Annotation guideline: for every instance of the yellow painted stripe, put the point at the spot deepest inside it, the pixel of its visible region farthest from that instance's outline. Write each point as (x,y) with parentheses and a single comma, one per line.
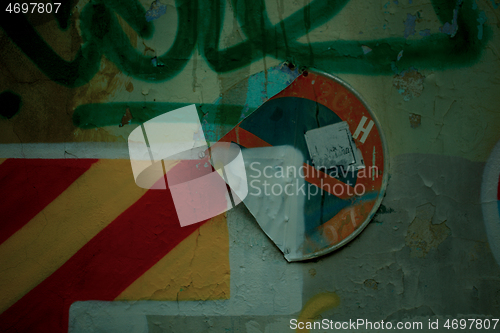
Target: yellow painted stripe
(196,269)
(318,304)
(45,243)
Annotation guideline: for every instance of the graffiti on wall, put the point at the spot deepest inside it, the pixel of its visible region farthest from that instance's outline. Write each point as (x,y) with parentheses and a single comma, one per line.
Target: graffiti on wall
(200,25)
(41,256)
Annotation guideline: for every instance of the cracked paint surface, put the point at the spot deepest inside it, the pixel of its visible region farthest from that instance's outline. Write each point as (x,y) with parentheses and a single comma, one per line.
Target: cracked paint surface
(83,238)
(422,234)
(197,269)
(409,83)
(415,120)
(423,194)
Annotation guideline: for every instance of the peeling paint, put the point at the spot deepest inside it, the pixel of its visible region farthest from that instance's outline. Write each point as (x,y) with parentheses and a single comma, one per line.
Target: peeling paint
(410,83)
(415,120)
(130,87)
(156,62)
(423,235)
(425,32)
(452,28)
(400,55)
(156,10)
(366,49)
(409,25)
(371,283)
(127,118)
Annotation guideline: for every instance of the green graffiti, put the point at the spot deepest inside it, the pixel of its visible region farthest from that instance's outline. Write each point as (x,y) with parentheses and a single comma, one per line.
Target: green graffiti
(64,13)
(200,25)
(213,116)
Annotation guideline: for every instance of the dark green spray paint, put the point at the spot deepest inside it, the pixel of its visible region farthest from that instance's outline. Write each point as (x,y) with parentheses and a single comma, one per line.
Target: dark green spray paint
(110,114)
(200,25)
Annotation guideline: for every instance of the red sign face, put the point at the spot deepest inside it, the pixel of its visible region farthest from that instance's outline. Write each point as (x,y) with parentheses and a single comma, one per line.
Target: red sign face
(344,157)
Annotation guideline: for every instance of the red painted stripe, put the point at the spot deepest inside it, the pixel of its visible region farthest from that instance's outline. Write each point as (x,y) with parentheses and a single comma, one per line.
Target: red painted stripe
(104,267)
(28,185)
(250,140)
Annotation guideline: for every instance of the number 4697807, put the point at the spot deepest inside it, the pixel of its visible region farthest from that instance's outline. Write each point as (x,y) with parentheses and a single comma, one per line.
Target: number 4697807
(32,7)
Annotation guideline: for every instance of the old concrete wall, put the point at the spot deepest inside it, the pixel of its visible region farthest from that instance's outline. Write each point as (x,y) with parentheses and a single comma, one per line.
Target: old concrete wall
(83,248)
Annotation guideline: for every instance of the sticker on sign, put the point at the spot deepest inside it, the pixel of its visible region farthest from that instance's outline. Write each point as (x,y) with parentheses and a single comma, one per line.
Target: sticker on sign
(331,146)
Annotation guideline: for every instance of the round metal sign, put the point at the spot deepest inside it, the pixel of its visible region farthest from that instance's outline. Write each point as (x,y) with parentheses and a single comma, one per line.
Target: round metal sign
(331,135)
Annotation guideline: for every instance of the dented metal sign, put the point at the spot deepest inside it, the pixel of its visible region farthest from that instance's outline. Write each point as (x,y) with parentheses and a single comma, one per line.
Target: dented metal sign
(316,164)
